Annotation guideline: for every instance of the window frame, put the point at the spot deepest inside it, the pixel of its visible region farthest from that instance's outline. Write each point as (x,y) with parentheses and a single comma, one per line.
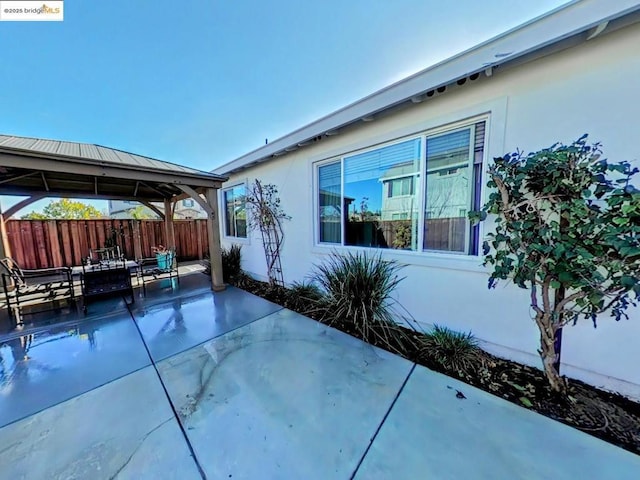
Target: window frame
(316,201)
(223,211)
(467,224)
(419,188)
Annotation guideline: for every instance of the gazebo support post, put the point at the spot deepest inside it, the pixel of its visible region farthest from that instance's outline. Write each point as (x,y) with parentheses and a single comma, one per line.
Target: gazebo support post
(5,251)
(213,230)
(168,225)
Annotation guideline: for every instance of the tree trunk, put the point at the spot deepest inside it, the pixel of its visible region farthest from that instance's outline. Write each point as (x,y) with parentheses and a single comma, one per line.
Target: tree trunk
(549,355)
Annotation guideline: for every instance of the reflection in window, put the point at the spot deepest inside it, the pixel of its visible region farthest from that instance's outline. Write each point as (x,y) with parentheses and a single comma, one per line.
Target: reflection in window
(381,206)
(448,191)
(400,186)
(235,217)
(374,198)
(330,210)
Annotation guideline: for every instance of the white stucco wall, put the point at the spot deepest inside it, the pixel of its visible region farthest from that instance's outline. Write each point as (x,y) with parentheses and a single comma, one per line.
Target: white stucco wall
(593,88)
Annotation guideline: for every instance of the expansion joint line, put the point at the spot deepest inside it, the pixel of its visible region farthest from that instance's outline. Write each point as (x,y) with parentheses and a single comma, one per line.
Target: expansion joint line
(166,393)
(384,419)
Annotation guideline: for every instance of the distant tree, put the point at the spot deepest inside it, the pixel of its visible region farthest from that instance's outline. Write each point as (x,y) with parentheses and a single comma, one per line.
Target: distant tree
(35,216)
(65,208)
(140,213)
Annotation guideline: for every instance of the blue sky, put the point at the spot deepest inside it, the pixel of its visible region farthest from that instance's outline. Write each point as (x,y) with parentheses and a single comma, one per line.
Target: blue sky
(202,82)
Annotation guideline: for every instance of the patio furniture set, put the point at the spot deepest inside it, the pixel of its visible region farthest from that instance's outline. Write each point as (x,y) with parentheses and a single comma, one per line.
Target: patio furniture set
(105,272)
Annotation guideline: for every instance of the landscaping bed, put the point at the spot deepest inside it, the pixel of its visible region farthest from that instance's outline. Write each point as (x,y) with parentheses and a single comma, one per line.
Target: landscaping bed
(608,416)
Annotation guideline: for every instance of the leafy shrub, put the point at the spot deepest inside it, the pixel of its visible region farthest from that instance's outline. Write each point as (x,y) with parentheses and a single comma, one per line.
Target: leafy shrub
(454,351)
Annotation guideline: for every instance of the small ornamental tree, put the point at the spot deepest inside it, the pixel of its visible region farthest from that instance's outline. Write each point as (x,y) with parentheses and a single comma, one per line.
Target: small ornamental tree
(567,229)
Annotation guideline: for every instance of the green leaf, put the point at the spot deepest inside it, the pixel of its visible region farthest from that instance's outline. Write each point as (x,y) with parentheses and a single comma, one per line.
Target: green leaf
(628,281)
(517,387)
(526,402)
(555,284)
(565,277)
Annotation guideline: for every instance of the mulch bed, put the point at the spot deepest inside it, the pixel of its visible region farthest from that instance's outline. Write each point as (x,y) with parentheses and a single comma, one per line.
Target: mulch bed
(605,415)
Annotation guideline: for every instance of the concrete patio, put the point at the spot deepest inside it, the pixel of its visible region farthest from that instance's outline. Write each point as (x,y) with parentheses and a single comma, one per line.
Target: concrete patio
(187,383)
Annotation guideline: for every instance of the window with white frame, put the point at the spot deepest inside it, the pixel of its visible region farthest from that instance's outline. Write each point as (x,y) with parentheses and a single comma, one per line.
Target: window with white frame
(412,194)
(188,203)
(235,211)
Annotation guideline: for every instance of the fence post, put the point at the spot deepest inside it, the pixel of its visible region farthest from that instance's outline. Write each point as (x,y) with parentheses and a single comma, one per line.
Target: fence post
(199,234)
(137,242)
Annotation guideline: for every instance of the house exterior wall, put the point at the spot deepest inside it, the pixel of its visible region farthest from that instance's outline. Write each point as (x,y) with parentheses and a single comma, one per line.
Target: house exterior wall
(592,88)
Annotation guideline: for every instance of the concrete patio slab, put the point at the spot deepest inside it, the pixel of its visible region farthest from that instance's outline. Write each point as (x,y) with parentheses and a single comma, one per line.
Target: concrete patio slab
(173,327)
(261,392)
(283,397)
(125,429)
(41,369)
(430,433)
(164,289)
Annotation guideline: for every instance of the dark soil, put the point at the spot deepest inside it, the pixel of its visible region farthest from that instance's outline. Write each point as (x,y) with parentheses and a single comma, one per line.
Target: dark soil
(608,416)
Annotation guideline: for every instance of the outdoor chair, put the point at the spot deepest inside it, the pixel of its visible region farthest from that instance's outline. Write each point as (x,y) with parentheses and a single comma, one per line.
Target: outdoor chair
(27,288)
(105,254)
(163,265)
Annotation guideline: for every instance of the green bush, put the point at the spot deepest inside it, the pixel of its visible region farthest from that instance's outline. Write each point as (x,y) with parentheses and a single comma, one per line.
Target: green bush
(454,351)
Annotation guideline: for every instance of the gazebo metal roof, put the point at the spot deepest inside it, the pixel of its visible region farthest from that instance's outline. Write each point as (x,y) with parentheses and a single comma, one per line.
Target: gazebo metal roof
(38,166)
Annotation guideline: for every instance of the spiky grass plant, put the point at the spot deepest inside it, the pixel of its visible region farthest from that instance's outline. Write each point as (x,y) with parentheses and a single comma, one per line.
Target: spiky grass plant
(304,297)
(454,351)
(231,262)
(358,291)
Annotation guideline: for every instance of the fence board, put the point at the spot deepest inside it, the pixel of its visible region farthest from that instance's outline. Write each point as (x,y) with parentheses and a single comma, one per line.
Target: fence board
(57,260)
(39,244)
(127,243)
(14,237)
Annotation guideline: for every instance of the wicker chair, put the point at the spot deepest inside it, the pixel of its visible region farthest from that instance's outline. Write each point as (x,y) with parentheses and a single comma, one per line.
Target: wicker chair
(26,288)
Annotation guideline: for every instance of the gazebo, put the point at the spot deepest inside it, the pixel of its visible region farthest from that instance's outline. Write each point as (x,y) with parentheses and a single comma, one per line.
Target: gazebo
(39,168)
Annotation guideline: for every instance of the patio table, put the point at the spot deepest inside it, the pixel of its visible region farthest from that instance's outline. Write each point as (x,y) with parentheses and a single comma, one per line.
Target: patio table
(80,269)
(105,278)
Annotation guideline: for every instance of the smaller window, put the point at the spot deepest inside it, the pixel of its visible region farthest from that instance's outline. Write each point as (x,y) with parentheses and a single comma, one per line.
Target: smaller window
(235,211)
(188,202)
(401,187)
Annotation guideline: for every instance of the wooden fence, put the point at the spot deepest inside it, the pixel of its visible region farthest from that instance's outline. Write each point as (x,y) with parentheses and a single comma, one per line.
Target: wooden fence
(56,243)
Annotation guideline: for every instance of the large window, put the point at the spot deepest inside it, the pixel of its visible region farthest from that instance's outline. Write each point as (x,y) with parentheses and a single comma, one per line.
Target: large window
(410,195)
(235,211)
